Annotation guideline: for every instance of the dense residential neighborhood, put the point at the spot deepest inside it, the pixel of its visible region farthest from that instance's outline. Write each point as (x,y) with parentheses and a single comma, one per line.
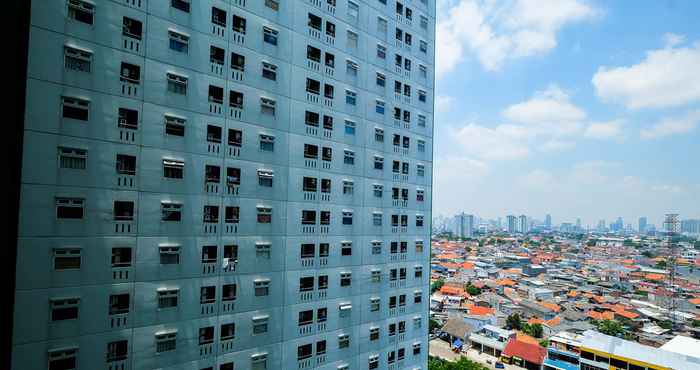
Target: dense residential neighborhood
(566,301)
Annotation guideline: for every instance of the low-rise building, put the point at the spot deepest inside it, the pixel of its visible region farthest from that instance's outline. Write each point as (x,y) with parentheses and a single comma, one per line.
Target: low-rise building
(491,339)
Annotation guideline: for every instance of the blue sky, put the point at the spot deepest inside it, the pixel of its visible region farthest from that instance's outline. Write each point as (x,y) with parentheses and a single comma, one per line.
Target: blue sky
(577,108)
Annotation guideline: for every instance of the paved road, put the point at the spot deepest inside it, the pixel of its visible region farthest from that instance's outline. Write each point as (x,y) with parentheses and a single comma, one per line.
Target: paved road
(440,348)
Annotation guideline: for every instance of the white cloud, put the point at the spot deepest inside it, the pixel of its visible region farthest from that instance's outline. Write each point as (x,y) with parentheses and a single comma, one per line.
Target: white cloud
(672,39)
(443,103)
(553,146)
(495,32)
(672,126)
(667,77)
(501,143)
(549,111)
(604,130)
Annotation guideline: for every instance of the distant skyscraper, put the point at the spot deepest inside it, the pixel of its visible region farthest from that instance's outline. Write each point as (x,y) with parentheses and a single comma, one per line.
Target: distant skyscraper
(690,226)
(465,225)
(511,222)
(601,226)
(578,224)
(523,226)
(548,221)
(642,224)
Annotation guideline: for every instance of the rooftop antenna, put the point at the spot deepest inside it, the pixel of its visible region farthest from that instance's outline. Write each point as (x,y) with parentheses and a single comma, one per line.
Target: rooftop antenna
(671,227)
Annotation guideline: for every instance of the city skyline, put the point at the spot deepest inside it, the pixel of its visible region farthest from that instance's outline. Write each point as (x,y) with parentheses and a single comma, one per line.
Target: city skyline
(568,121)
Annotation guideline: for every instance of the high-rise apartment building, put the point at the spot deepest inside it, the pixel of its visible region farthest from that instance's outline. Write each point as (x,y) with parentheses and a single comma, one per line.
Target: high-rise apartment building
(642,225)
(223,184)
(465,225)
(523,226)
(511,224)
(548,221)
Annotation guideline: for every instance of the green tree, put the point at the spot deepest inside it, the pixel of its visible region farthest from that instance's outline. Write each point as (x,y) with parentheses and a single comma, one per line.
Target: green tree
(472,290)
(433,324)
(436,285)
(544,343)
(534,330)
(610,327)
(695,324)
(514,322)
(661,264)
(591,242)
(462,364)
(666,324)
(648,254)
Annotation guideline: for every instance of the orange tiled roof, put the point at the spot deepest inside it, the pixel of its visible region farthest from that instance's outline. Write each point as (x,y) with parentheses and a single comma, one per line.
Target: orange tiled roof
(626,314)
(572,294)
(480,311)
(505,282)
(694,301)
(655,277)
(451,290)
(467,265)
(552,306)
(535,320)
(554,322)
(607,315)
(522,337)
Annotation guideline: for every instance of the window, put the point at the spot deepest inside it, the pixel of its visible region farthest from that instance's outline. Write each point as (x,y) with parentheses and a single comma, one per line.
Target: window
(313,54)
(177,84)
(304,351)
(374,304)
(72,158)
(310,151)
(312,118)
(423,47)
(350,127)
(75,108)
(308,217)
(130,73)
(212,174)
(173,169)
(381,26)
(218,17)
(345,279)
(121,257)
(353,11)
(418,272)
(63,359)
(422,96)
(424,22)
(325,219)
(326,155)
(67,259)
(330,60)
(169,255)
(228,331)
(207,294)
(239,24)
(262,287)
(379,106)
(347,217)
(178,41)
(423,70)
(274,5)
(421,120)
(174,126)
(377,218)
(119,304)
(313,86)
(269,71)
(267,106)
(417,297)
(233,215)
(328,91)
(77,59)
(315,21)
(70,208)
(258,361)
(348,187)
(260,323)
(264,215)
(228,291)
(166,341)
(238,62)
(267,143)
(81,11)
(330,31)
(376,247)
(126,164)
(183,5)
(235,137)
(373,362)
(211,214)
(351,68)
(343,341)
(270,35)
(381,52)
(378,162)
(373,333)
(262,250)
(352,40)
(419,246)
(64,308)
(346,248)
(421,146)
(381,80)
(349,157)
(420,170)
(123,210)
(378,190)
